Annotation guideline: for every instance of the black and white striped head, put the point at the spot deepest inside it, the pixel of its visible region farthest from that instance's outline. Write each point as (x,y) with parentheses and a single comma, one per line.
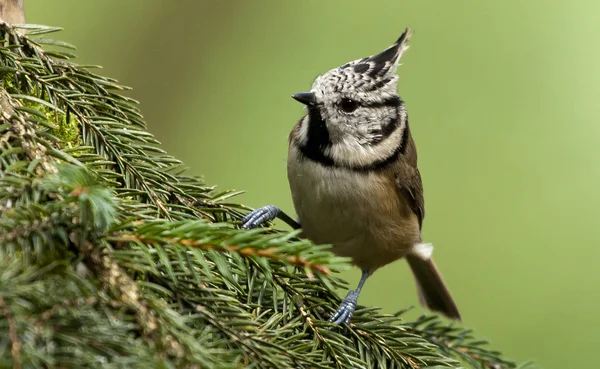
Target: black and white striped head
(355,116)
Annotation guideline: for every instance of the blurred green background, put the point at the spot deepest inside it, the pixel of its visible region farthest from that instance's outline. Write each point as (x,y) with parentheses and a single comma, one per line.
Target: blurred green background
(502,98)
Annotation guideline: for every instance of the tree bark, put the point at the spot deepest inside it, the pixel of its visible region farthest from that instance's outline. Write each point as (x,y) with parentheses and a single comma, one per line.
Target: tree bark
(11,11)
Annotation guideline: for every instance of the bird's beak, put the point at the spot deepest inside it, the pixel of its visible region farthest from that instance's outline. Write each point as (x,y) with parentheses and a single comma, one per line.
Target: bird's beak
(306,98)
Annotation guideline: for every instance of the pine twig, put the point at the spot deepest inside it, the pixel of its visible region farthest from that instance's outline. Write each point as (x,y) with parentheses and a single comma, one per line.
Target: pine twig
(114,278)
(270,253)
(14,336)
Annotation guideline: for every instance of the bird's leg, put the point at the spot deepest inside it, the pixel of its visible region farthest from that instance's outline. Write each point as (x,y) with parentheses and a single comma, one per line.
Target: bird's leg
(348,305)
(266,214)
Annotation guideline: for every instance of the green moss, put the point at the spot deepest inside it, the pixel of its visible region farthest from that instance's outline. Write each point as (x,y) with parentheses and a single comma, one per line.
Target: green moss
(67,130)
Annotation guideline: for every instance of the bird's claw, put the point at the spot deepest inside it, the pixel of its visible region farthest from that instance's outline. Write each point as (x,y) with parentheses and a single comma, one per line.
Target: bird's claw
(346,309)
(259,216)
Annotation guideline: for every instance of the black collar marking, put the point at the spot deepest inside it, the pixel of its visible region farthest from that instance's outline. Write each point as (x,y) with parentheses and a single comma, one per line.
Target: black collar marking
(318,141)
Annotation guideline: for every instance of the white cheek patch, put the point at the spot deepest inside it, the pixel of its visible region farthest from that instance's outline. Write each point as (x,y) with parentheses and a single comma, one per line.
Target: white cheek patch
(351,152)
(302,137)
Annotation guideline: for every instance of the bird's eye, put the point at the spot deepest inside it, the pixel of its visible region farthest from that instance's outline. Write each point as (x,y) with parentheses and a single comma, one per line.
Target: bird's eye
(349,105)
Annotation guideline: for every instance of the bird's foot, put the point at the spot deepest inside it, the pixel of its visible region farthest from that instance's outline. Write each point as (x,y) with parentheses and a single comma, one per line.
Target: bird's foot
(346,309)
(259,216)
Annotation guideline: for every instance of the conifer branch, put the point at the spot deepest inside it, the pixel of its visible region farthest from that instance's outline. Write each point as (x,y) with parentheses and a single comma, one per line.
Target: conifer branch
(271,253)
(110,255)
(459,342)
(15,347)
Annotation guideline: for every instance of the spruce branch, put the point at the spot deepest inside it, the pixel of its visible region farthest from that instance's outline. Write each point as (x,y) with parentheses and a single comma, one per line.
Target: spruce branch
(459,342)
(302,255)
(111,256)
(15,344)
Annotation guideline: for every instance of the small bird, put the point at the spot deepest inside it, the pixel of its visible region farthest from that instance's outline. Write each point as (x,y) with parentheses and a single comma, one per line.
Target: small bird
(352,170)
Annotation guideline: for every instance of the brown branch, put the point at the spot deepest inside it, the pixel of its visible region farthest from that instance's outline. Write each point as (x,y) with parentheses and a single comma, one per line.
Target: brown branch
(79,302)
(15,349)
(410,361)
(444,343)
(487,363)
(24,131)
(270,253)
(295,296)
(117,281)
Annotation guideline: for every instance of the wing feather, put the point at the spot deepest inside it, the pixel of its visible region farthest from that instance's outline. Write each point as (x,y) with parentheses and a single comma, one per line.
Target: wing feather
(408,180)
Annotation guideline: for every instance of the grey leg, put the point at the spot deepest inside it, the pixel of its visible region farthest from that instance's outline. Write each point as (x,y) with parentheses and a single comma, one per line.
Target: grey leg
(348,305)
(266,214)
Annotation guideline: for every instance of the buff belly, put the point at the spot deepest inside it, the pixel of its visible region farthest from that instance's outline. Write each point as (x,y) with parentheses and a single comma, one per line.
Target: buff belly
(359,213)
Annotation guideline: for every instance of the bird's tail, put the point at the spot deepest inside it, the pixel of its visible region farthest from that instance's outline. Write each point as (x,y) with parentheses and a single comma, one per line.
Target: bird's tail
(433,293)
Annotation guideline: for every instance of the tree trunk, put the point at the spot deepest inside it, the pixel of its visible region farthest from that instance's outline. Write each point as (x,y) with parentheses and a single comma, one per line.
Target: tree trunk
(11,11)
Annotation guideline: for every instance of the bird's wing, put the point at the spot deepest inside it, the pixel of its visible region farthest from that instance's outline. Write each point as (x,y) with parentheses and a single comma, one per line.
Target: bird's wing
(408,178)
(410,187)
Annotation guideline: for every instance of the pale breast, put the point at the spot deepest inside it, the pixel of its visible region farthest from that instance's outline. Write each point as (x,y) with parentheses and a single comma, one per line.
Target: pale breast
(358,212)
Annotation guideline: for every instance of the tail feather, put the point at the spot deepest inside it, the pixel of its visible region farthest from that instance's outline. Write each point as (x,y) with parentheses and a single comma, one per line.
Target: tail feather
(433,293)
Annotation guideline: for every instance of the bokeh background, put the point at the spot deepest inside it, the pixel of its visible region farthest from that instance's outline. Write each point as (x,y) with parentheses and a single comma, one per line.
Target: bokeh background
(502,97)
